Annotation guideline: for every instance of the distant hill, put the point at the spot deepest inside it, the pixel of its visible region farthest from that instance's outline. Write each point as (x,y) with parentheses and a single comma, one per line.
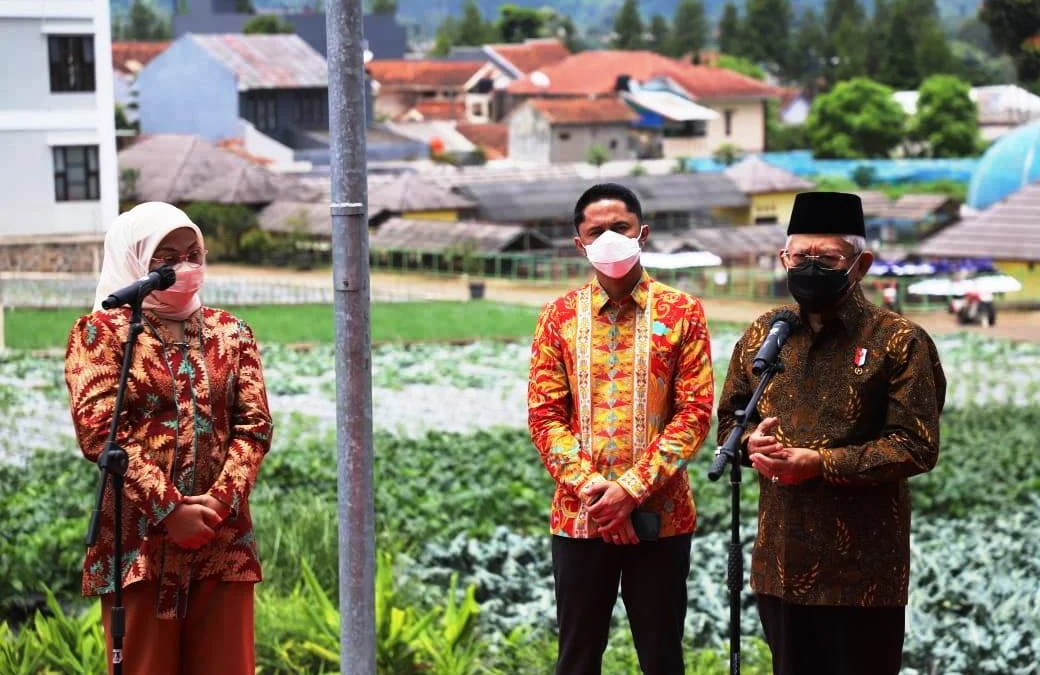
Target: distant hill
(592,16)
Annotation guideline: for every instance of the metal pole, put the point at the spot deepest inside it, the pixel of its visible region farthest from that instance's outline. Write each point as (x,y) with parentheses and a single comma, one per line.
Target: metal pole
(350,277)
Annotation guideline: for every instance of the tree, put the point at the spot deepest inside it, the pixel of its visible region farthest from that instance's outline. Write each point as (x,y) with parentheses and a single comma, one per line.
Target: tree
(805,63)
(767,31)
(145,23)
(947,119)
(730,31)
(447,36)
(628,26)
(244,7)
(845,47)
(727,154)
(473,31)
(914,45)
(266,24)
(689,29)
(857,119)
(739,64)
(516,24)
(660,35)
(880,24)
(597,156)
(383,7)
(1011,22)
(560,26)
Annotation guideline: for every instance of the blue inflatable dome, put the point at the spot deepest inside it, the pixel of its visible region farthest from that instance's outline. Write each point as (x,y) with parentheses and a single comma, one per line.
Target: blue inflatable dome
(1009,165)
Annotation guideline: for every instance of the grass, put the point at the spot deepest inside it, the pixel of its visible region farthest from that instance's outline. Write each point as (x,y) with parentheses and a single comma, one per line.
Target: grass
(894,190)
(290,324)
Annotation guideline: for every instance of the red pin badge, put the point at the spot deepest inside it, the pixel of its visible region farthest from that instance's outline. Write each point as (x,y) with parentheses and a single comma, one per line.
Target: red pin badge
(861,357)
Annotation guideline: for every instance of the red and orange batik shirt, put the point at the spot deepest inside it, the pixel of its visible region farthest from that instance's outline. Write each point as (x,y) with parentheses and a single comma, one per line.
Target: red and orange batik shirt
(195,421)
(621,391)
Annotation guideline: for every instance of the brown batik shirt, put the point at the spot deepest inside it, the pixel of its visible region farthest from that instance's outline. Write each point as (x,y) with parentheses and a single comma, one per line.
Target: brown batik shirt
(866,393)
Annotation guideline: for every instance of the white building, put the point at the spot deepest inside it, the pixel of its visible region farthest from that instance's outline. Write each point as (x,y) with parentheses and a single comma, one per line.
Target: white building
(57,127)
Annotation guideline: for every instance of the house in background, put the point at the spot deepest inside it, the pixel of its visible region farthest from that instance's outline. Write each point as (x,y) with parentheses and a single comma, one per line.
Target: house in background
(182,169)
(546,131)
(672,203)
(57,120)
(1005,232)
(693,109)
(1001,107)
(512,62)
(462,90)
(384,37)
(271,91)
(491,139)
(912,218)
(770,190)
(128,58)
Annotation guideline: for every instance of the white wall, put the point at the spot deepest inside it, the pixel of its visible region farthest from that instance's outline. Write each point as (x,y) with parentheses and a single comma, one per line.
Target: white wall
(32,119)
(572,143)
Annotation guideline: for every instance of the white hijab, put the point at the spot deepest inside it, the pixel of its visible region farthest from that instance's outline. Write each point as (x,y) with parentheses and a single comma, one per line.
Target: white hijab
(129,246)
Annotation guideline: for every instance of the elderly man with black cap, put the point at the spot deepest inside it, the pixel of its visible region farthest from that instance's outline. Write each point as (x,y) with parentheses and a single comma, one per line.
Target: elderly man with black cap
(853,415)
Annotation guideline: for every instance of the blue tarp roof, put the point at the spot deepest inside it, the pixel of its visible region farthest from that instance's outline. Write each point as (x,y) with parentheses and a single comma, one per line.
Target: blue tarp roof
(801,163)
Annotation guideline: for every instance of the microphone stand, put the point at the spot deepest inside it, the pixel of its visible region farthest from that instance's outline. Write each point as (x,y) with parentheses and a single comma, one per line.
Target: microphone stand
(729,452)
(113,463)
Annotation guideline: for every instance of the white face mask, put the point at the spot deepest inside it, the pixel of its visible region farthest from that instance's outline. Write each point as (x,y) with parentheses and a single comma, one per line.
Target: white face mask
(613,254)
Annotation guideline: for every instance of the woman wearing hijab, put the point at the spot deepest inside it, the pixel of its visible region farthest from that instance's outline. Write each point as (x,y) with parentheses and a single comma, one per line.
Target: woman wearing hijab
(195,426)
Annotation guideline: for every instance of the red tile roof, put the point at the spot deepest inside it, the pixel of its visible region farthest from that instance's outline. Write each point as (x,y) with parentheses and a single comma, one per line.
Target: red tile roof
(533,55)
(423,73)
(606,110)
(438,110)
(595,73)
(123,53)
(493,139)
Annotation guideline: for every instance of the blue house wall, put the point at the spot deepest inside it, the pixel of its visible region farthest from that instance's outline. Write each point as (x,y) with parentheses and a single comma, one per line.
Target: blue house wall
(185,91)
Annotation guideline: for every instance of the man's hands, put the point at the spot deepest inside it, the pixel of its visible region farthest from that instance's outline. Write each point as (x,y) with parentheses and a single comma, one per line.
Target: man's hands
(609,507)
(192,523)
(789,466)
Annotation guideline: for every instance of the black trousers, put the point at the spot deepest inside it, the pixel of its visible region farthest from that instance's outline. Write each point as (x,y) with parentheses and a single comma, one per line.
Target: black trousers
(652,576)
(812,640)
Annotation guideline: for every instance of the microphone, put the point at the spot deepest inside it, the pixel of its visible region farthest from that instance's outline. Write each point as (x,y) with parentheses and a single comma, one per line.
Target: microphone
(784,322)
(159,280)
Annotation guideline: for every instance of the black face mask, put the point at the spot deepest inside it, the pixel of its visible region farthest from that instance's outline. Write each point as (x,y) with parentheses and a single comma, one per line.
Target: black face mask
(816,287)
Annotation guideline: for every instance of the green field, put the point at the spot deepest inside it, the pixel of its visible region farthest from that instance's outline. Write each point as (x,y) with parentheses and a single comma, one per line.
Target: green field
(292,324)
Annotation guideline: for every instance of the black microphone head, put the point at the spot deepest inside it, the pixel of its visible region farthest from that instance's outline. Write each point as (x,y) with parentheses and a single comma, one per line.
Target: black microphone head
(167,277)
(790,318)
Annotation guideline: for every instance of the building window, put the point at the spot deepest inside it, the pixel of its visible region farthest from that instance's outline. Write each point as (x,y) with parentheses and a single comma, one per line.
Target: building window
(72,62)
(262,110)
(76,173)
(729,122)
(613,144)
(477,110)
(310,109)
(565,136)
(691,129)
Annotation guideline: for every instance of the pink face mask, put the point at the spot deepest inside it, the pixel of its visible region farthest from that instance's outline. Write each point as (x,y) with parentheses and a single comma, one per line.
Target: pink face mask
(182,292)
(613,254)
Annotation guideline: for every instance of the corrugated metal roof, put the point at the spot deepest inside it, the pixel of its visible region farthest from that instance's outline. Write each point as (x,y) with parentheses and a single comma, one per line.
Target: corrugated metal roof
(755,176)
(286,217)
(267,61)
(409,192)
(554,199)
(435,236)
(739,241)
(178,169)
(1008,230)
(874,203)
(915,207)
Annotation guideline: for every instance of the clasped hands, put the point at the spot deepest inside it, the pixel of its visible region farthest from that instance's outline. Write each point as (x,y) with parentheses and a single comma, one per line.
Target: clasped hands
(780,464)
(194,521)
(609,506)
